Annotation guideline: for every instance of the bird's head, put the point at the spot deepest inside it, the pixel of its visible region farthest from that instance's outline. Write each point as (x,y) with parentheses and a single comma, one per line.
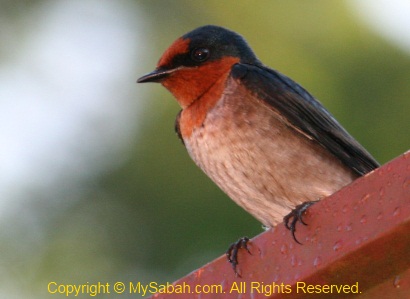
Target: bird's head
(195,61)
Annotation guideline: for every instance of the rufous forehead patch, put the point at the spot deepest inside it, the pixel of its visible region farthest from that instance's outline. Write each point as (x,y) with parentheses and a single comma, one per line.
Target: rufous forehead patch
(179,46)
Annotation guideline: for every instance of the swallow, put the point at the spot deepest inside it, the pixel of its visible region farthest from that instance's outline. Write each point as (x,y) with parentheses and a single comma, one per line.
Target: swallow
(261,137)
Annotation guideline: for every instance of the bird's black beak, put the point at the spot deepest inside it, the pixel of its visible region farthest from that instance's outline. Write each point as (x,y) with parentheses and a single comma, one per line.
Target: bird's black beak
(155,76)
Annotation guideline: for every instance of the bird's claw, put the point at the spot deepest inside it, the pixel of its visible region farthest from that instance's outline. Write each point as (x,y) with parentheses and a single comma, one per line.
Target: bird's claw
(297,215)
(232,252)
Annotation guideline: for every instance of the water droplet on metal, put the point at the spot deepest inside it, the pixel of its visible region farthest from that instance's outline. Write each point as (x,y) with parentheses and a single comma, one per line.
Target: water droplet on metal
(293,261)
(262,252)
(297,276)
(363,220)
(339,227)
(396,212)
(317,261)
(397,281)
(337,246)
(345,208)
(364,198)
(380,216)
(224,285)
(349,227)
(406,183)
(381,192)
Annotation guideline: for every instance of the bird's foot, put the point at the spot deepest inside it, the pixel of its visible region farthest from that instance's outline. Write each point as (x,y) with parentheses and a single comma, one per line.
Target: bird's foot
(232,252)
(297,215)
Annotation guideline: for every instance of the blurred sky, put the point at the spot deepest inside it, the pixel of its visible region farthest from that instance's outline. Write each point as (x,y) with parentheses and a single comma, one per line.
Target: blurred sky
(67,107)
(390,19)
(65,91)
(70,110)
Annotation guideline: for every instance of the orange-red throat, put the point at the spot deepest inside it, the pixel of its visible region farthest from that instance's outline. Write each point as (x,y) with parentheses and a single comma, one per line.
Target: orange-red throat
(190,83)
(196,85)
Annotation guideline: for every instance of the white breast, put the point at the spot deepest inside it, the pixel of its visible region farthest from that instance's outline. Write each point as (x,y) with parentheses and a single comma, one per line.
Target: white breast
(260,161)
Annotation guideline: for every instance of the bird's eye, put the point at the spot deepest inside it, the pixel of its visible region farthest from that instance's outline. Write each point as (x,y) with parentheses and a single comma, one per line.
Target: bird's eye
(200,54)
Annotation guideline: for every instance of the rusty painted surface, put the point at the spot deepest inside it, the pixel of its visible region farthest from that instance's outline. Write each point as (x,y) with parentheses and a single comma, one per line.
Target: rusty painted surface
(357,239)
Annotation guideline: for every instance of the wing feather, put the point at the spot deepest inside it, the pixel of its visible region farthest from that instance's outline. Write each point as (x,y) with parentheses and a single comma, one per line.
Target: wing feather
(305,113)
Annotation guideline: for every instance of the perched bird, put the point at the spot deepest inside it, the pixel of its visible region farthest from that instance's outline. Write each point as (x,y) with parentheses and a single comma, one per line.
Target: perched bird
(260,136)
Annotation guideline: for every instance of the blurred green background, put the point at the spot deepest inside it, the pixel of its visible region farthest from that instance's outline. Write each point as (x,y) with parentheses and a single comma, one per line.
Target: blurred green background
(95,185)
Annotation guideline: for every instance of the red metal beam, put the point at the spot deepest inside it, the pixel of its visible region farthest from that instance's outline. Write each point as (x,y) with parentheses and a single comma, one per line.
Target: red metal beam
(358,238)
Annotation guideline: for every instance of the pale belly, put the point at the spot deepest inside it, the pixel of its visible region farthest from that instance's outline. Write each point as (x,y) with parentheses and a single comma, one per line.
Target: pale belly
(260,162)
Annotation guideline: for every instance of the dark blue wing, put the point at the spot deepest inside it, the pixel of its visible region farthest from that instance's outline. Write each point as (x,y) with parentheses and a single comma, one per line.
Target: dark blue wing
(304,112)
